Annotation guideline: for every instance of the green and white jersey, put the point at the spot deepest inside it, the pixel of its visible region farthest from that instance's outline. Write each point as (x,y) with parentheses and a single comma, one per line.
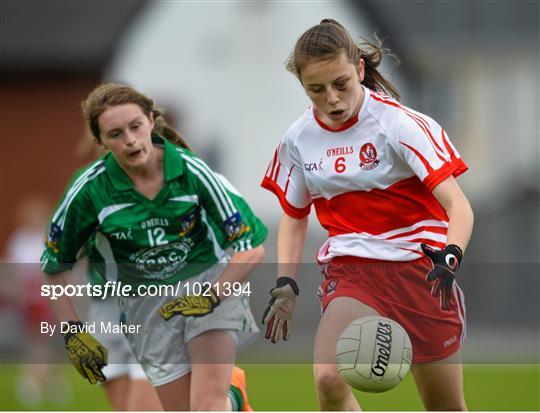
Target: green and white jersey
(180,233)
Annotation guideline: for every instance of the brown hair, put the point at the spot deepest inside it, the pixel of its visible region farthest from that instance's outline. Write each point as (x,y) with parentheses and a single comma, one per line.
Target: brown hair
(112,94)
(328,39)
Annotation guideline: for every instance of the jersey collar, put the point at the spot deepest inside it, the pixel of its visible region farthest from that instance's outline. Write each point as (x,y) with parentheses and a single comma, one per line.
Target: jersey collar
(173,165)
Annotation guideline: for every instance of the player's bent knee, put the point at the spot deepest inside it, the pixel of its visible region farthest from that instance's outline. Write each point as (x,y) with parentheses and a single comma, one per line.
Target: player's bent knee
(329,383)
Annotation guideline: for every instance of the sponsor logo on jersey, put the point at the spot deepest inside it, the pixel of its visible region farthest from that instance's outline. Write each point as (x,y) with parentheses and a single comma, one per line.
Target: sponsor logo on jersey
(235,227)
(344,150)
(383,346)
(331,287)
(122,235)
(314,166)
(165,261)
(187,223)
(368,157)
(55,233)
(155,222)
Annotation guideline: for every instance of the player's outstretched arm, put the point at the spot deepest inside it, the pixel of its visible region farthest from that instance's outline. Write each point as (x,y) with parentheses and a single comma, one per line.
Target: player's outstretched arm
(446,261)
(290,246)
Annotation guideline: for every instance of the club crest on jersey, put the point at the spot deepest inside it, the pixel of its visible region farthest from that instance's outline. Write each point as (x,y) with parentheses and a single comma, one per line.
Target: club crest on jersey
(187,223)
(368,157)
(234,226)
(55,233)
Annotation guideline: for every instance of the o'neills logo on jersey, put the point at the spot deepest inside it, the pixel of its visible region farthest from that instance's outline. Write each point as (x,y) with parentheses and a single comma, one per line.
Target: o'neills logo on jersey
(383,345)
(368,157)
(344,150)
(162,262)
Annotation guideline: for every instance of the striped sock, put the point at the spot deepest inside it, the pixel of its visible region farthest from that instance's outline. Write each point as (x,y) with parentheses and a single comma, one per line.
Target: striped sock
(237,401)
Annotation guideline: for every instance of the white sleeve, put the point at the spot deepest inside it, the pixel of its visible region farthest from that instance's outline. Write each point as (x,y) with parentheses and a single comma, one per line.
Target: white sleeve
(424,145)
(285,178)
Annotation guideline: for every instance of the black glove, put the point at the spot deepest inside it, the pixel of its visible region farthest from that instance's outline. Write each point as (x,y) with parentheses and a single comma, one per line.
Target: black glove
(278,314)
(445,264)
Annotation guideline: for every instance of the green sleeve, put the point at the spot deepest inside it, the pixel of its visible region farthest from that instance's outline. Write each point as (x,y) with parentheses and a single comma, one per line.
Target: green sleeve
(229,215)
(255,232)
(73,222)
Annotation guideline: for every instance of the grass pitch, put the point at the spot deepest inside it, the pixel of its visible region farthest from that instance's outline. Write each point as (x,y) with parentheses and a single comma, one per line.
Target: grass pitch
(291,387)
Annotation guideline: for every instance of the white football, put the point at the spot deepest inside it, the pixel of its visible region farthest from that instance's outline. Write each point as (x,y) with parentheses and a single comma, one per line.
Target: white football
(373,354)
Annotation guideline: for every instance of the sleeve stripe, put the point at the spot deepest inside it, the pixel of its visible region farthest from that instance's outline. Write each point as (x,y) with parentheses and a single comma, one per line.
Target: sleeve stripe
(218,204)
(421,122)
(428,167)
(75,187)
(438,151)
(216,189)
(220,187)
(74,194)
(243,245)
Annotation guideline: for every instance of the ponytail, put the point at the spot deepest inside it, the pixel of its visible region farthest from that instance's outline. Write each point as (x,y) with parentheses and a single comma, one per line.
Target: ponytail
(162,128)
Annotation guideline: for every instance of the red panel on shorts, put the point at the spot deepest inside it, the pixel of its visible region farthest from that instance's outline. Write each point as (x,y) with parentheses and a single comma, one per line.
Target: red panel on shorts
(399,290)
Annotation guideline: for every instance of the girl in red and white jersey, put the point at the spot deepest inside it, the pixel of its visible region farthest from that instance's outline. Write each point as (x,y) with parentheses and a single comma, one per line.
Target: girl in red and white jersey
(381,178)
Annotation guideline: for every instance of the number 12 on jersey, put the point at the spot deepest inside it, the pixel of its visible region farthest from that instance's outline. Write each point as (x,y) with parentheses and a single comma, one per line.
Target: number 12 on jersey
(156,236)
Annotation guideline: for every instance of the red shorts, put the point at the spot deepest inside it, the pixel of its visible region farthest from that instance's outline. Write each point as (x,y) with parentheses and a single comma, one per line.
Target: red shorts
(399,290)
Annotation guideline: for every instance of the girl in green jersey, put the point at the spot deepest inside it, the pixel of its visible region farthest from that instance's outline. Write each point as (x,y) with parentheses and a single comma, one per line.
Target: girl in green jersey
(163,218)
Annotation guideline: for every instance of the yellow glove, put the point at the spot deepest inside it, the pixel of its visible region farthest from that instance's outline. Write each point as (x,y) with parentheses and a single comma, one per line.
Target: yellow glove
(190,305)
(86,354)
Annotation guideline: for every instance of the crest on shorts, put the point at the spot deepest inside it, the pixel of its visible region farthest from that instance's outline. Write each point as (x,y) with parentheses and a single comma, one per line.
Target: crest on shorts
(368,157)
(331,287)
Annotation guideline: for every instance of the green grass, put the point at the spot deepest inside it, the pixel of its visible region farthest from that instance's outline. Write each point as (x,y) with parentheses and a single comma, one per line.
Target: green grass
(290,387)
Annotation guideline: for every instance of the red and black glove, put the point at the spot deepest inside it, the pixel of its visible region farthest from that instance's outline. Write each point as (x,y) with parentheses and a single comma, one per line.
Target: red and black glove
(445,264)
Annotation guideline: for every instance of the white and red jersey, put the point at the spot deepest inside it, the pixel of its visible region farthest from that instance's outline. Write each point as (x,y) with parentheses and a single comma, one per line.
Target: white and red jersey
(370,181)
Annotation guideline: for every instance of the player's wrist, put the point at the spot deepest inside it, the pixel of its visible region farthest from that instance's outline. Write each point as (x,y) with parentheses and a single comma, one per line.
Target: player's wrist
(283,280)
(74,327)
